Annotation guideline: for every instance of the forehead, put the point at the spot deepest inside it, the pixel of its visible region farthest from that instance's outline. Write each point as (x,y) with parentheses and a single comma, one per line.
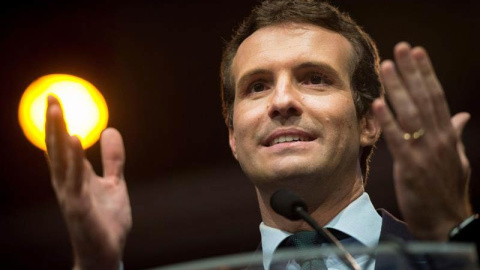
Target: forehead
(283,45)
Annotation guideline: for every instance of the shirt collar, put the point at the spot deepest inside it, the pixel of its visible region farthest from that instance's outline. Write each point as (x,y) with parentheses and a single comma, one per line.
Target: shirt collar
(359,219)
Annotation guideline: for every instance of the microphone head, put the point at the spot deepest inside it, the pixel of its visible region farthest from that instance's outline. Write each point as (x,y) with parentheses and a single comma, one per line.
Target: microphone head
(285,202)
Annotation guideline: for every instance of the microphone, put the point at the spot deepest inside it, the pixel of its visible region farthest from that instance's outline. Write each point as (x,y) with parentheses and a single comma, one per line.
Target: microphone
(288,204)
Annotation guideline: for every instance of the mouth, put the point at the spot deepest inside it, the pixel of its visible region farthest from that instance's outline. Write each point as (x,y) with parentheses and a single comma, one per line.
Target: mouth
(287,136)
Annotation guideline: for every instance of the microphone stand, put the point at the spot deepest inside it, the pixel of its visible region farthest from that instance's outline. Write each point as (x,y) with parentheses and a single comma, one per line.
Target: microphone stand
(347,258)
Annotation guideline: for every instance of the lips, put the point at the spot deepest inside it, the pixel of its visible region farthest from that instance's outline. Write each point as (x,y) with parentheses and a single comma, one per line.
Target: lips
(287,136)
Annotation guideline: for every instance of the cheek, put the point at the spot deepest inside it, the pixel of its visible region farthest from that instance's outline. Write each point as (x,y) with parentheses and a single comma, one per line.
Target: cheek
(337,115)
(245,121)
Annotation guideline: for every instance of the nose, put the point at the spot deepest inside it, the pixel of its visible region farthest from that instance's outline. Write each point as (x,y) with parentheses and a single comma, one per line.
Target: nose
(286,100)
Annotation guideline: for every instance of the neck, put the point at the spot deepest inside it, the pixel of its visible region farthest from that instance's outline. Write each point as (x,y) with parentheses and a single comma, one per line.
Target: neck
(323,204)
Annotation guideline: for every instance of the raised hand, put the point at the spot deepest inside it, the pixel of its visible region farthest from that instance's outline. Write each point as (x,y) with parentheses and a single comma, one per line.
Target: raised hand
(96,209)
(431,170)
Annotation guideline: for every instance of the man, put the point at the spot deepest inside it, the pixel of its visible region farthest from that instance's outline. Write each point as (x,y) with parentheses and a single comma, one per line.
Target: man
(303,105)
(303,77)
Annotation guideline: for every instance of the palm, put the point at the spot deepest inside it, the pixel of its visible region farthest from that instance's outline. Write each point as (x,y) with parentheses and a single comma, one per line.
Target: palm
(107,218)
(111,206)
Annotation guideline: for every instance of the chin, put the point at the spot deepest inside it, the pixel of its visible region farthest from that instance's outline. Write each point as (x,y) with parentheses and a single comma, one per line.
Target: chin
(286,176)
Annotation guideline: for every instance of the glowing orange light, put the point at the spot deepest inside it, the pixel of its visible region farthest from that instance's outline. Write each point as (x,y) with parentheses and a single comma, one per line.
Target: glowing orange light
(84,108)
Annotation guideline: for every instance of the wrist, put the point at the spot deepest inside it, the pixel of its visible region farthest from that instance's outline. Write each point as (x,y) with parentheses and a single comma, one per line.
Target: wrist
(97,263)
(113,266)
(439,229)
(438,233)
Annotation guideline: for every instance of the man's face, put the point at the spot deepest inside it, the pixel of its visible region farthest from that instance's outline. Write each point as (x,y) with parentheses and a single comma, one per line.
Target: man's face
(294,115)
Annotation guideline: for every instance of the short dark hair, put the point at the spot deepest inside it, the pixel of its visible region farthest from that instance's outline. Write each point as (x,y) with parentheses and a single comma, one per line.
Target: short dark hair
(365,78)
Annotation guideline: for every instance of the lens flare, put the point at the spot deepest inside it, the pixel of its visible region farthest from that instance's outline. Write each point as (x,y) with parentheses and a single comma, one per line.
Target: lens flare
(84,108)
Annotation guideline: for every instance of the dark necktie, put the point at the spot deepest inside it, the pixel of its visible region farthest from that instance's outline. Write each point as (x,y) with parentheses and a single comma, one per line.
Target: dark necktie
(307,239)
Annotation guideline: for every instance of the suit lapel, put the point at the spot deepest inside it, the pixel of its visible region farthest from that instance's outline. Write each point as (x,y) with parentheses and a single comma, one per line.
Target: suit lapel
(391,226)
(394,230)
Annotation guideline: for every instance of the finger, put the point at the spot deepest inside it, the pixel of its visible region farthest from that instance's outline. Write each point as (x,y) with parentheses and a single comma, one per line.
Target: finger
(459,121)
(392,133)
(113,153)
(407,112)
(433,86)
(414,81)
(75,169)
(56,139)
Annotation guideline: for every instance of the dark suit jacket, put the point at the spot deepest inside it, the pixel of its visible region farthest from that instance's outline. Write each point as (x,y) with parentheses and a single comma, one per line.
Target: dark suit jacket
(396,231)
(392,229)
(391,226)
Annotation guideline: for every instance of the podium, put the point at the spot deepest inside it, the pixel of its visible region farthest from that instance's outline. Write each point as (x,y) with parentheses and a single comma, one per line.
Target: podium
(388,256)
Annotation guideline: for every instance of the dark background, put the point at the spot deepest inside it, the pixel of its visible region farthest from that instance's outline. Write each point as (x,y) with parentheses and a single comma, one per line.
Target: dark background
(157,63)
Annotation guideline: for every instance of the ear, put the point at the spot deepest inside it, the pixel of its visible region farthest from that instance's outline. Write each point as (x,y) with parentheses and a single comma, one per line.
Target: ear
(232,141)
(369,129)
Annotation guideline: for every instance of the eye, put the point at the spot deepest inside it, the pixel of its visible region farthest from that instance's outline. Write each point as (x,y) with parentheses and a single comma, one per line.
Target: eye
(257,87)
(315,79)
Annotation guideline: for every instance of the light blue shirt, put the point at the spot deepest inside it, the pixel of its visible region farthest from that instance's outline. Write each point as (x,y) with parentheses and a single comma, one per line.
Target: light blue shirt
(359,219)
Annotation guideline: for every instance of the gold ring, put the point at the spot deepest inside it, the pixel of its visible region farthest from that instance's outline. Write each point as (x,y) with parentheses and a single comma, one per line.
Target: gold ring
(414,136)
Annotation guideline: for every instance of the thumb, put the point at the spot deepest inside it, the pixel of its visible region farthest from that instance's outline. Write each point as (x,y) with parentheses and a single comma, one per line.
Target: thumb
(459,121)
(113,153)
